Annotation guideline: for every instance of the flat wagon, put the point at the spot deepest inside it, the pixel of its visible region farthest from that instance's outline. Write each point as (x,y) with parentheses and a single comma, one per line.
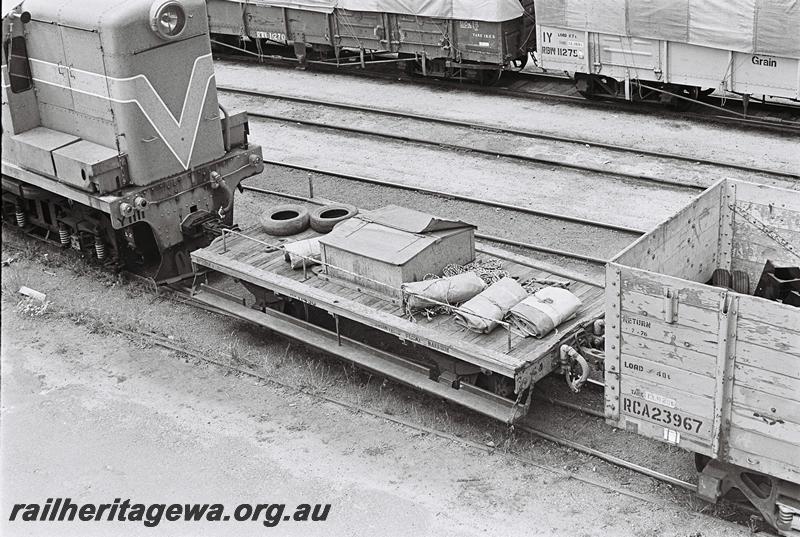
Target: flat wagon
(446,39)
(490,373)
(711,369)
(650,50)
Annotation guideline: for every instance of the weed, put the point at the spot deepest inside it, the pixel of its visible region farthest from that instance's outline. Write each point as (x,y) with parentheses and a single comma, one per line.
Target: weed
(30,307)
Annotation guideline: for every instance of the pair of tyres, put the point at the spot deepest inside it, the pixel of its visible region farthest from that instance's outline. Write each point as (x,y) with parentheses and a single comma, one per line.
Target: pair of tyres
(737,280)
(285,220)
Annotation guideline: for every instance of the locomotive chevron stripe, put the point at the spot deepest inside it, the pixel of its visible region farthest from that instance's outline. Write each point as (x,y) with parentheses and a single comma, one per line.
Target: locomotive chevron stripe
(179,134)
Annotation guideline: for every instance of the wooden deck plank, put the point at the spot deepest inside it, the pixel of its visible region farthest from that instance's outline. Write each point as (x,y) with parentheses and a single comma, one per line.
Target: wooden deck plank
(371,310)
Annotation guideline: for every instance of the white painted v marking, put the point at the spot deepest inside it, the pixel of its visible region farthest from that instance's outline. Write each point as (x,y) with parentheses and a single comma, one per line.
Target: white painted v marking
(179,134)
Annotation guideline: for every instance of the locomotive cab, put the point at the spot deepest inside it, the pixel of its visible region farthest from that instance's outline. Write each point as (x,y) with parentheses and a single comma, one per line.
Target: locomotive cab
(114,142)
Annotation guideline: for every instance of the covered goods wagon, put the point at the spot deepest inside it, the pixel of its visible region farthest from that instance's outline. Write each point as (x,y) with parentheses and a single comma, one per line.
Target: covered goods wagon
(641,49)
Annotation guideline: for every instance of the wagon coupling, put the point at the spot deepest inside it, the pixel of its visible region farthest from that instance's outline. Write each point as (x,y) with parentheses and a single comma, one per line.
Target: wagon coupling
(569,357)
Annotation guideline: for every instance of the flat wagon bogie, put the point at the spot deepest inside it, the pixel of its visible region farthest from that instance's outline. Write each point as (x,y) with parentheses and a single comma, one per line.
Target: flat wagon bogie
(706,368)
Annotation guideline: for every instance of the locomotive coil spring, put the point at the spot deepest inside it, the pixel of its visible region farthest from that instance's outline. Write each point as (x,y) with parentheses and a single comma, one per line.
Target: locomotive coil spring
(785,516)
(22,218)
(63,235)
(100,248)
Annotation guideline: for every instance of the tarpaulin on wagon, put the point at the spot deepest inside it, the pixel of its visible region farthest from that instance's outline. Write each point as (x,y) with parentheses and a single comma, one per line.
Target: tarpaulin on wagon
(322,6)
(750,26)
(477,10)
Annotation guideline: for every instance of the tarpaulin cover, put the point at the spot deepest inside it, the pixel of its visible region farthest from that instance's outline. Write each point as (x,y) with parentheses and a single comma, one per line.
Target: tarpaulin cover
(542,312)
(410,220)
(306,251)
(322,6)
(750,26)
(482,313)
(478,10)
(8,5)
(452,290)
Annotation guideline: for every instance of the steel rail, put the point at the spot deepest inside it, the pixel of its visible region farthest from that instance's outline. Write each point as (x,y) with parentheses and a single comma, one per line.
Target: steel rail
(472,149)
(483,236)
(616,461)
(571,406)
(514,132)
(186,298)
(606,103)
(460,197)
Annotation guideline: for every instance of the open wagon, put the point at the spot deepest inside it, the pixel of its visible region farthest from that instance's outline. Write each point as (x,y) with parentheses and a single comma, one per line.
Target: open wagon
(708,368)
(445,39)
(491,373)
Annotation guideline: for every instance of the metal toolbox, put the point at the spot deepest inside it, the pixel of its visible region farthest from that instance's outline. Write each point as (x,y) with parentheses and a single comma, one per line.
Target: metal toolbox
(385,248)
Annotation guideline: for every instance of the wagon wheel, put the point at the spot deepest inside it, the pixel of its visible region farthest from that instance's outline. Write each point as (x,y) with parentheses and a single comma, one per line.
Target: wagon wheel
(741,282)
(690,92)
(585,86)
(413,68)
(700,461)
(490,77)
(502,386)
(722,278)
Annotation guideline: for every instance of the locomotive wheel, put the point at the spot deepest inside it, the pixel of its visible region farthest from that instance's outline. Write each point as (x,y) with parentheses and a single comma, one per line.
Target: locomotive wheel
(324,218)
(284,220)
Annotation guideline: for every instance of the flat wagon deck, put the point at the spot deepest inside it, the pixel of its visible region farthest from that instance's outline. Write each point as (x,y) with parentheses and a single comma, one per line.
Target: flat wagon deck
(436,354)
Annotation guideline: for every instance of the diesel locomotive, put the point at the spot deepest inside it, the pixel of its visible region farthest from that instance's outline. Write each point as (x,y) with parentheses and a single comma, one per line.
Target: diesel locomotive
(114,142)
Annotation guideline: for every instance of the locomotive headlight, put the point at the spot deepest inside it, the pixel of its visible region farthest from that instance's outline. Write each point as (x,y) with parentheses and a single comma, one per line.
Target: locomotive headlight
(167,19)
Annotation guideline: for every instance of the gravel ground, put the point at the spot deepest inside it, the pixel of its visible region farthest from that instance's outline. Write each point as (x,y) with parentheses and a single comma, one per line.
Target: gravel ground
(576,154)
(631,129)
(612,200)
(112,416)
(512,225)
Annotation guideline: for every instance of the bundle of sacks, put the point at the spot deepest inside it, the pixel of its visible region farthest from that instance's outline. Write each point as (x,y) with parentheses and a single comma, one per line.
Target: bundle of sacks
(449,291)
(485,307)
(483,312)
(540,313)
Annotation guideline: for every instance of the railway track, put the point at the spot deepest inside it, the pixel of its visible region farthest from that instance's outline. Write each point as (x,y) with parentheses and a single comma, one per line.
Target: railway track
(182,294)
(482,236)
(185,296)
(528,85)
(788,176)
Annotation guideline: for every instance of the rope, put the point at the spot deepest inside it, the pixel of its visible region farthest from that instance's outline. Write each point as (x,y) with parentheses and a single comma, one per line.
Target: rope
(488,270)
(313,261)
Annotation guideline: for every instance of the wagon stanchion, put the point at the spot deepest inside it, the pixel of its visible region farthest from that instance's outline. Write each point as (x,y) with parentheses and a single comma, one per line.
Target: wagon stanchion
(305,259)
